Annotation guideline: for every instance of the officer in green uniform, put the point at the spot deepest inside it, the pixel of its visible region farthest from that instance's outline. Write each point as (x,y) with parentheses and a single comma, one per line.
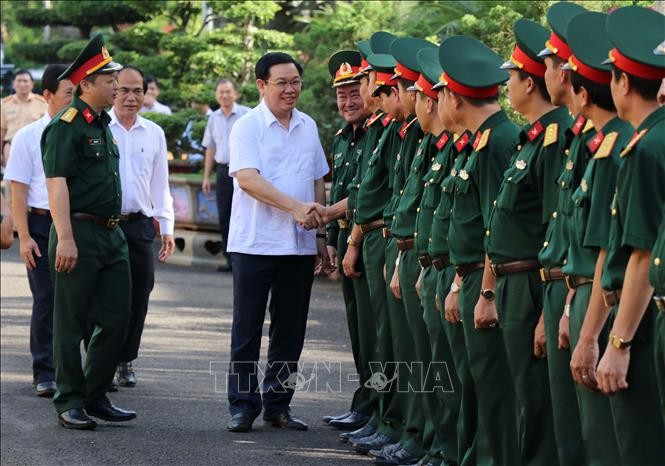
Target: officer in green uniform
(525,203)
(87,252)
(346,149)
(552,256)
(589,223)
(469,95)
(627,369)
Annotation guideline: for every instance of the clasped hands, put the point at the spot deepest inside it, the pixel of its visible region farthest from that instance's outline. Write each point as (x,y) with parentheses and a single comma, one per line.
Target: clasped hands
(310,215)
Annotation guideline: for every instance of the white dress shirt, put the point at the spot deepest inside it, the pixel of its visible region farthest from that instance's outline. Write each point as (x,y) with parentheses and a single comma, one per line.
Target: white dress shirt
(144,171)
(157,108)
(291,160)
(218,129)
(25,162)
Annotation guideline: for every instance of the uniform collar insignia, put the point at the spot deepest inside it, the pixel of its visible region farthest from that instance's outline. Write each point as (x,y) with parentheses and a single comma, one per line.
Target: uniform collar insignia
(442,140)
(579,124)
(595,143)
(462,141)
(387,119)
(89,115)
(535,131)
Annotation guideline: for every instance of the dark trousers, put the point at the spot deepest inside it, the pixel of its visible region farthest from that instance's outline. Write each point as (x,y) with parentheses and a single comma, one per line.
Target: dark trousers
(140,235)
(224,191)
(288,280)
(41,287)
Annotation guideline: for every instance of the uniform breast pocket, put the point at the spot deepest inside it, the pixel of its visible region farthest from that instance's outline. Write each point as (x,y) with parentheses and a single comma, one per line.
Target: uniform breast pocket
(94,150)
(581,207)
(513,183)
(373,159)
(338,160)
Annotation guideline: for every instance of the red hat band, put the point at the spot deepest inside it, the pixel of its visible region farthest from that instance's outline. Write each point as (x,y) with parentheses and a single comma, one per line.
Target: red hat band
(526,63)
(345,71)
(363,64)
(383,79)
(599,76)
(557,45)
(424,86)
(474,92)
(406,73)
(89,67)
(635,68)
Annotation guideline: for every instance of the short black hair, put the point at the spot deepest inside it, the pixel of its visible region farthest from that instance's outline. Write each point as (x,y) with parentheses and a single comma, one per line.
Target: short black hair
(270,59)
(645,88)
(226,81)
(538,80)
(139,71)
(150,79)
(20,72)
(481,101)
(90,78)
(600,94)
(406,83)
(50,77)
(384,89)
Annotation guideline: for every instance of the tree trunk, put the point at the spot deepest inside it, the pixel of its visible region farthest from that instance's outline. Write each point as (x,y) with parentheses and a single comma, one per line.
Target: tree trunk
(246,72)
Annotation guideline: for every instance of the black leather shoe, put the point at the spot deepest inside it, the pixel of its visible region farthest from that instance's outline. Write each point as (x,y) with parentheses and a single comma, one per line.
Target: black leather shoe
(240,422)
(125,375)
(45,389)
(401,456)
(284,421)
(106,411)
(364,431)
(352,422)
(386,451)
(327,419)
(363,446)
(76,418)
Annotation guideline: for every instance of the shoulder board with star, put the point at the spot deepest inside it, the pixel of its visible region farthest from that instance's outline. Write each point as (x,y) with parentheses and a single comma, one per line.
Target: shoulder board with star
(484,139)
(339,132)
(551,134)
(408,125)
(633,141)
(69,115)
(606,146)
(373,119)
(588,127)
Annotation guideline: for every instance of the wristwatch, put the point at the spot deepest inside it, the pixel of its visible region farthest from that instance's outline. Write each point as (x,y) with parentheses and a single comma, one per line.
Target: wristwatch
(454,287)
(618,342)
(487,294)
(351,242)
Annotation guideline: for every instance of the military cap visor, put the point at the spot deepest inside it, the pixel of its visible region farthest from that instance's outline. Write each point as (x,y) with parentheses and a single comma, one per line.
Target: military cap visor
(383,65)
(93,59)
(529,37)
(430,70)
(405,50)
(558,17)
(660,50)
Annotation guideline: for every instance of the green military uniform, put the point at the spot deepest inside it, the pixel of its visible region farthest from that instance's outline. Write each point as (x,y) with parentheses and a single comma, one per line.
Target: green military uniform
(552,257)
(589,225)
(639,426)
(525,203)
(346,150)
(77,145)
(471,69)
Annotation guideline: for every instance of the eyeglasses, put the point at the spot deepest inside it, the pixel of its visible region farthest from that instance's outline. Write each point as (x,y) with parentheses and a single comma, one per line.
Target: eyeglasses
(281,85)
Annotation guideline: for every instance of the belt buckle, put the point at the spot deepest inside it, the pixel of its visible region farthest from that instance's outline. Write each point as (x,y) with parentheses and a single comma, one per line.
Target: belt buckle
(424,261)
(570,282)
(112,222)
(343,224)
(543,275)
(610,298)
(385,232)
(660,303)
(493,269)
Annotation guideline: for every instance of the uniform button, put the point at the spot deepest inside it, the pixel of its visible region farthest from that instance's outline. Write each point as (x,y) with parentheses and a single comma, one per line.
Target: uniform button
(656,261)
(567,151)
(401,191)
(358,185)
(519,147)
(614,211)
(563,184)
(554,214)
(494,202)
(487,232)
(353,144)
(420,140)
(97,153)
(510,178)
(417,209)
(340,183)
(430,240)
(545,244)
(415,234)
(347,164)
(565,261)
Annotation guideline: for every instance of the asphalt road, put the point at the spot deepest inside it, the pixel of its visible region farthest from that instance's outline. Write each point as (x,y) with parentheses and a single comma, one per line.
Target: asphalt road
(179,398)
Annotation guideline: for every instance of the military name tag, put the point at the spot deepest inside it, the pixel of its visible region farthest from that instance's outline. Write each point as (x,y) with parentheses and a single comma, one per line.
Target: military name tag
(338,155)
(94,142)
(520,164)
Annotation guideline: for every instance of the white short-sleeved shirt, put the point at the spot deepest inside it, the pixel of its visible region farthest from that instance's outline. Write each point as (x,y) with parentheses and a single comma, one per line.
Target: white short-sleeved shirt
(291,160)
(25,162)
(144,171)
(218,129)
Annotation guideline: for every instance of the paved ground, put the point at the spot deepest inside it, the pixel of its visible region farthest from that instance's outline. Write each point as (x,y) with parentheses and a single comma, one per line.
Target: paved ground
(181,413)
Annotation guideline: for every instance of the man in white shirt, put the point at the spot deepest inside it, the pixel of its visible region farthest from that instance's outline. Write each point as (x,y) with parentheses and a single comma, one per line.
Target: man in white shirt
(150,103)
(33,223)
(278,164)
(216,142)
(144,177)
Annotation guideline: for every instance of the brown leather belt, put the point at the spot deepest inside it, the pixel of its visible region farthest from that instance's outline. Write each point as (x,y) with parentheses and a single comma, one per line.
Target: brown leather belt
(466,269)
(508,268)
(343,224)
(551,275)
(573,282)
(387,234)
(612,297)
(371,226)
(348,214)
(441,262)
(660,302)
(405,244)
(108,223)
(40,212)
(425,261)
(132,216)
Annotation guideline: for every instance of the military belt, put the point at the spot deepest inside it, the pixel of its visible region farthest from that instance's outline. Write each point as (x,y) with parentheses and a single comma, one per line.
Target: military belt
(40,212)
(132,216)
(425,261)
(343,224)
(348,214)
(387,234)
(573,282)
(441,262)
(551,275)
(405,244)
(371,226)
(466,269)
(612,297)
(660,302)
(108,223)
(508,268)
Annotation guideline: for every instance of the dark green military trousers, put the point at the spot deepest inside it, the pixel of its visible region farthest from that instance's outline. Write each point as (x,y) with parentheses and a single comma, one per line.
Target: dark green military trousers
(488,363)
(362,333)
(95,295)
(595,412)
(569,441)
(659,348)
(519,303)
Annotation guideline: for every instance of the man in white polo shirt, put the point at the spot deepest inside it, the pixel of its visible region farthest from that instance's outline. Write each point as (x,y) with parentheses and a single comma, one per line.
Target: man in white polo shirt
(278,165)
(33,223)
(144,175)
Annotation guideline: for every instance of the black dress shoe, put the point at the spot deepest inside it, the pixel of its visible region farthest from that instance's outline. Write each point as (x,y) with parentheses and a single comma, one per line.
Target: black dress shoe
(284,421)
(45,389)
(363,446)
(351,422)
(240,422)
(364,431)
(327,419)
(125,375)
(76,418)
(401,456)
(386,451)
(106,411)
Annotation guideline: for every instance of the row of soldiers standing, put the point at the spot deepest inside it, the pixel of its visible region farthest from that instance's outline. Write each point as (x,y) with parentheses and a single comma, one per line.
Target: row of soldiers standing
(522,260)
